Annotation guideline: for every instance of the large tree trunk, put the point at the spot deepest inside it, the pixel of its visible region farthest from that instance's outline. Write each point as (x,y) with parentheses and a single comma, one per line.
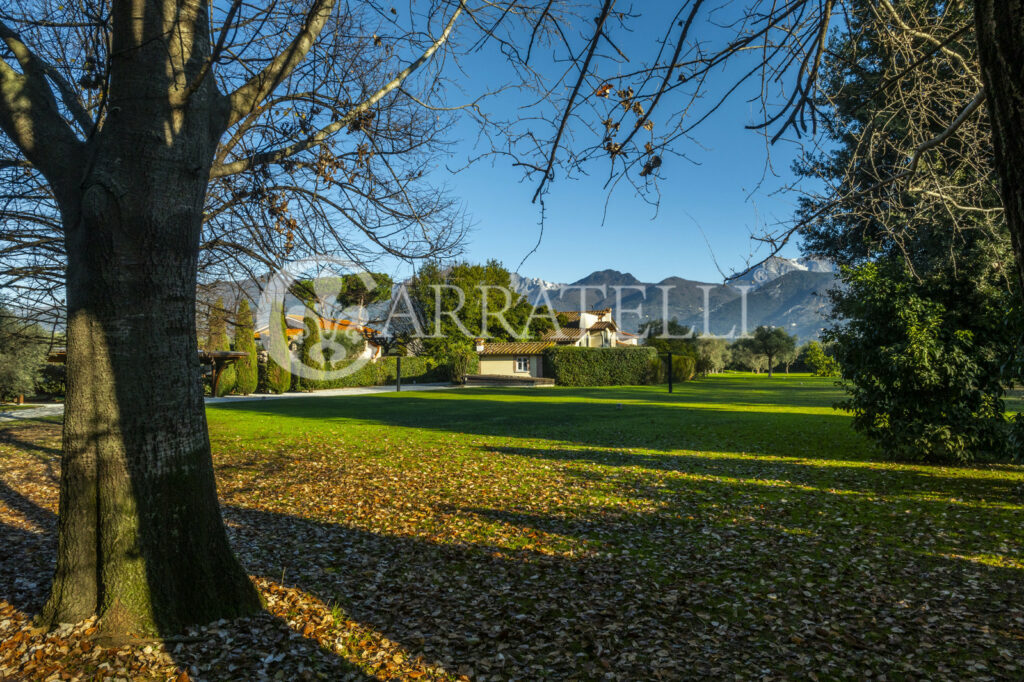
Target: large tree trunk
(1000,32)
(140,537)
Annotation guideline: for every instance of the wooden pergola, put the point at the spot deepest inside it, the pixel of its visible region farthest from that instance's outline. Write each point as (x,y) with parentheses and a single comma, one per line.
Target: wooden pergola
(217,359)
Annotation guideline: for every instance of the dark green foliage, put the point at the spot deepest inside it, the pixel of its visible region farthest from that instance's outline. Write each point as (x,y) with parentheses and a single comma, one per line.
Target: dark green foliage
(246,370)
(311,355)
(217,328)
(683,367)
(923,375)
(23,349)
(462,362)
(573,366)
(353,290)
(678,339)
(53,379)
(484,288)
(218,341)
(279,379)
(436,292)
(384,371)
(921,336)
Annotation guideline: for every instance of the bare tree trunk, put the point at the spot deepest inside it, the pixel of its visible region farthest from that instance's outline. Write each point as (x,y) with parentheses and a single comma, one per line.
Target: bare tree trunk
(141,541)
(1000,30)
(140,537)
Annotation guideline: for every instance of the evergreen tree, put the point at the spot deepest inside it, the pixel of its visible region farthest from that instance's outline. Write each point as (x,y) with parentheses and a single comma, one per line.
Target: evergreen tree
(22,355)
(218,341)
(921,333)
(217,327)
(246,369)
(311,354)
(279,378)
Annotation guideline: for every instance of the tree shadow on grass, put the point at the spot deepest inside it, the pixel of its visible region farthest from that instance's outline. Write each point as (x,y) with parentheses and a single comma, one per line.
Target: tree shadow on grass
(820,474)
(687,590)
(660,426)
(695,577)
(249,648)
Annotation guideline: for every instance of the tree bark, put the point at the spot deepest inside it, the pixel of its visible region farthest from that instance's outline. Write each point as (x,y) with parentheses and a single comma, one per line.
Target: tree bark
(140,536)
(1000,32)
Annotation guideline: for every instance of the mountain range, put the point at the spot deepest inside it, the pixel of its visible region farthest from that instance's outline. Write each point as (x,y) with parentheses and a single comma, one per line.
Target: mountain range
(783,292)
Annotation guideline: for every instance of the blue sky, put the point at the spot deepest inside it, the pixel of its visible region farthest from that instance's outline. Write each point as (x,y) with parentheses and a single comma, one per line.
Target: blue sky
(710,203)
(704,209)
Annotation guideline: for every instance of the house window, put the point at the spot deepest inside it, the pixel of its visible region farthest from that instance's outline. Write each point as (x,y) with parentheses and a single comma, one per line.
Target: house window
(523,363)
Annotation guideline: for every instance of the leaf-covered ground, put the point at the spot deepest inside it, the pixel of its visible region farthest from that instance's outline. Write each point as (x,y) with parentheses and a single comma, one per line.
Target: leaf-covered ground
(736,528)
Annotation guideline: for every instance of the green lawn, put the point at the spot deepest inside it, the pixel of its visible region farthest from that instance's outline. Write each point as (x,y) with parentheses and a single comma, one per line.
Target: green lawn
(737,527)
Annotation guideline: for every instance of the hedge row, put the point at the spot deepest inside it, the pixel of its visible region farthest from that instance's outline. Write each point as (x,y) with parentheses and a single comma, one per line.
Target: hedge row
(383,372)
(575,366)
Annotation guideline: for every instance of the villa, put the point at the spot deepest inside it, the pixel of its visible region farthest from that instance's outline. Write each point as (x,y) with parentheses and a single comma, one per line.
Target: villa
(524,359)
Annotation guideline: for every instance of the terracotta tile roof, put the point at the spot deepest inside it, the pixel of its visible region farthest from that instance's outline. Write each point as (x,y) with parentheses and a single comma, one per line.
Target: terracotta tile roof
(604,324)
(516,348)
(574,315)
(564,334)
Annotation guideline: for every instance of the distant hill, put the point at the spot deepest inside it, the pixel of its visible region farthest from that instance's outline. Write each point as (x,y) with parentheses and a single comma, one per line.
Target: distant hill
(790,293)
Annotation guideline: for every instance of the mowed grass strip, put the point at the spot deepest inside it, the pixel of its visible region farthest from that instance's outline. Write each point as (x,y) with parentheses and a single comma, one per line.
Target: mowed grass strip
(736,527)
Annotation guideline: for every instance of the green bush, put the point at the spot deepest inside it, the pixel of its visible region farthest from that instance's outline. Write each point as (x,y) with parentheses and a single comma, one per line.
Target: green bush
(657,373)
(246,369)
(818,361)
(22,356)
(574,366)
(279,379)
(683,367)
(52,380)
(311,355)
(383,373)
(922,367)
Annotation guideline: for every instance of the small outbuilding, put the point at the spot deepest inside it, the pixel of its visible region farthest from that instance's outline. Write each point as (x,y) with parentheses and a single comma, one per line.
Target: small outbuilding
(519,358)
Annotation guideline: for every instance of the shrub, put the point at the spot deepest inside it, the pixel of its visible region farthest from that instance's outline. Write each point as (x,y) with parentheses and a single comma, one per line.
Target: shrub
(22,356)
(52,380)
(384,372)
(574,366)
(683,367)
(279,379)
(922,367)
(246,369)
(311,355)
(218,341)
(819,362)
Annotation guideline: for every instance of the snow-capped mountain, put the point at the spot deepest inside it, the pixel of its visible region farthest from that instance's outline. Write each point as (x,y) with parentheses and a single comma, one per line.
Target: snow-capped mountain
(784,292)
(775,267)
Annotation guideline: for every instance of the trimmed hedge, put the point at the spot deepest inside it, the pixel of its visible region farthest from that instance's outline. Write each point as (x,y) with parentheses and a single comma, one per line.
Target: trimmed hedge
(383,373)
(575,366)
(683,367)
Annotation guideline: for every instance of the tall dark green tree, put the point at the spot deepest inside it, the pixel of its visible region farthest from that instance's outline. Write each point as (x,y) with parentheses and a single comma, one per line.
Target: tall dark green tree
(279,376)
(921,332)
(22,355)
(218,340)
(247,370)
(311,354)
